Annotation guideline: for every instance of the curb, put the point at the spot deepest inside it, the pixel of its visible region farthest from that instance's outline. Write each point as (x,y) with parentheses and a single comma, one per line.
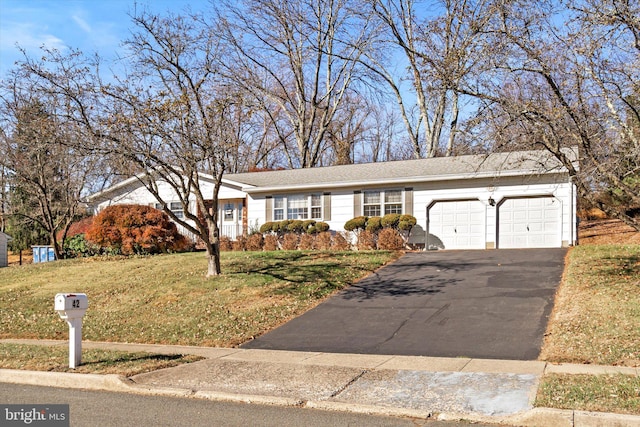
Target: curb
(108,382)
(536,417)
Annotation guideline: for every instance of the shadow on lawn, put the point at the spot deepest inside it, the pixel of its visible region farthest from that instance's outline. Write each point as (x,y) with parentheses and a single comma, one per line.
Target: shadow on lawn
(135,358)
(314,272)
(622,266)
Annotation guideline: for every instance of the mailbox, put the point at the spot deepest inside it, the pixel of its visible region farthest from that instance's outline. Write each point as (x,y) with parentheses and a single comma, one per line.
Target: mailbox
(71,306)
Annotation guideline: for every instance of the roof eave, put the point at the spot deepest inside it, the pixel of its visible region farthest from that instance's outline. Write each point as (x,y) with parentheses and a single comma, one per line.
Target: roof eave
(403,180)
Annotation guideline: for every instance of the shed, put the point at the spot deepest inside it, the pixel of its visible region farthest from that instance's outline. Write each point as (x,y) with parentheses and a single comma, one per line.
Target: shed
(4,253)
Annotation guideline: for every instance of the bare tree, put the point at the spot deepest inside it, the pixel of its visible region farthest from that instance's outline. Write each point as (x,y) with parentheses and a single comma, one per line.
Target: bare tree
(170,117)
(4,196)
(442,48)
(41,161)
(298,60)
(571,85)
(177,119)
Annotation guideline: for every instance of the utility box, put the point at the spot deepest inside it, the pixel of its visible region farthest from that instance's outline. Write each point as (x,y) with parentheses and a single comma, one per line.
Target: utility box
(72,307)
(43,254)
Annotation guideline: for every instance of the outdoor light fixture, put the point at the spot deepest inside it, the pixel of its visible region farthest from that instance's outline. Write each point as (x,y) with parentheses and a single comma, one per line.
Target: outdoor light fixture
(491,201)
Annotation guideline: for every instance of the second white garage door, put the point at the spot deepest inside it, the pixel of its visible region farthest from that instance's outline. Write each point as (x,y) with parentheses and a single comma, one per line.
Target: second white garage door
(529,223)
(457,224)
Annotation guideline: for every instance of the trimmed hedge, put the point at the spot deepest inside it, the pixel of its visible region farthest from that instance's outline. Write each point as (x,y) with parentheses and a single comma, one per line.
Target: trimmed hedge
(294,226)
(388,232)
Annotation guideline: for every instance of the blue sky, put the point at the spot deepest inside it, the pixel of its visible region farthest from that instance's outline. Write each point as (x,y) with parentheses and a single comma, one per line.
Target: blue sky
(89,25)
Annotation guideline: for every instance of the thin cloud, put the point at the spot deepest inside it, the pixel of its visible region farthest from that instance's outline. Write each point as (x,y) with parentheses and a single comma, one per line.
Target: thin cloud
(27,36)
(82,23)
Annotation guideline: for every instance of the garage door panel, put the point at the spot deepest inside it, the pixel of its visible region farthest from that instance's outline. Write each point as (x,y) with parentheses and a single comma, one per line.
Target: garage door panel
(529,223)
(457,225)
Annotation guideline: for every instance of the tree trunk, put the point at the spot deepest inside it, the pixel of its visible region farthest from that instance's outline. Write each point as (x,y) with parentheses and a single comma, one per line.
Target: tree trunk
(213,245)
(213,258)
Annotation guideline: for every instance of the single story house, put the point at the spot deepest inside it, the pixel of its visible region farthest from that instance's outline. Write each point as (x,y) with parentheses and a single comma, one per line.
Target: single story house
(522,199)
(4,253)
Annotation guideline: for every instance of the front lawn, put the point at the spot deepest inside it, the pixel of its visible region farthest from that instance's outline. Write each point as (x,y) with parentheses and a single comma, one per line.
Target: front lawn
(596,317)
(596,320)
(167,299)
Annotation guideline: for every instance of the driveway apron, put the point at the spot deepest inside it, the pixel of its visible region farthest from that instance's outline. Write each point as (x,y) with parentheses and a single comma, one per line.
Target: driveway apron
(481,304)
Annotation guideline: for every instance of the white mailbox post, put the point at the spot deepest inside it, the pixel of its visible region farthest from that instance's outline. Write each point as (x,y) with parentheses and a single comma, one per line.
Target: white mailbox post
(72,307)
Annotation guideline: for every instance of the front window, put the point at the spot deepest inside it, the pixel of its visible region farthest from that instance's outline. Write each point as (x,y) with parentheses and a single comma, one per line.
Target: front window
(371,203)
(393,202)
(175,207)
(297,207)
(278,208)
(316,206)
(228,211)
(378,203)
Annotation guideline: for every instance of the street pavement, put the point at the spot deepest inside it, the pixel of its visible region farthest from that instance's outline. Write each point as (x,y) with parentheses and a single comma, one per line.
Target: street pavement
(444,389)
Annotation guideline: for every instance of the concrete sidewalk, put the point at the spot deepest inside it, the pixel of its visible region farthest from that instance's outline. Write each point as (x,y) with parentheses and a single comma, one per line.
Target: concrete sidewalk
(489,391)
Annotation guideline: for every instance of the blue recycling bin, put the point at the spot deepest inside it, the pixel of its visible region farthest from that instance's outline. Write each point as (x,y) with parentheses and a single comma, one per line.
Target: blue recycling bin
(43,254)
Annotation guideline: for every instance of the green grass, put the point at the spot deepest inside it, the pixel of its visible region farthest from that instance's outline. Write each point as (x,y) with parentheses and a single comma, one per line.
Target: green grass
(56,359)
(596,317)
(167,299)
(602,393)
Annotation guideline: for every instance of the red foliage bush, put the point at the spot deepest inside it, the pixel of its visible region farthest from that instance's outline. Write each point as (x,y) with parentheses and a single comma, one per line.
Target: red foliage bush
(255,242)
(135,229)
(390,239)
(340,243)
(80,227)
(270,242)
(290,242)
(306,242)
(366,240)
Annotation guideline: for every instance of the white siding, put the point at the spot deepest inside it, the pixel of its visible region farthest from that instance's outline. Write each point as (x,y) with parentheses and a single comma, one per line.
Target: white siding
(479,218)
(489,194)
(341,209)
(498,190)
(137,194)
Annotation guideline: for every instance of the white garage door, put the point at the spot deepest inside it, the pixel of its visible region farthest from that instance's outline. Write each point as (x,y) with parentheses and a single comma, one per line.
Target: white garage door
(457,225)
(529,223)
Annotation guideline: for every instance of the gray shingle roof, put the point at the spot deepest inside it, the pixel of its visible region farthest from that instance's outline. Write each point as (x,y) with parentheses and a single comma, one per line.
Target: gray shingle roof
(432,169)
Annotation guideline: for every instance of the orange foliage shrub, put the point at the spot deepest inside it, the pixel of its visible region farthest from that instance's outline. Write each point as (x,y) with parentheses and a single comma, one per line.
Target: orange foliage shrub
(366,240)
(135,229)
(270,242)
(290,242)
(255,242)
(306,242)
(340,243)
(390,239)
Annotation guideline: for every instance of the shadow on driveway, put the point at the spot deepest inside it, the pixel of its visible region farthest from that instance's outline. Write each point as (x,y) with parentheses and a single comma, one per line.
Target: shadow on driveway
(480,304)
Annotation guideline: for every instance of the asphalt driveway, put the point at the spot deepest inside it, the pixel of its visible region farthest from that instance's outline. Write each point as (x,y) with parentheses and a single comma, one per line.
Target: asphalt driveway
(480,304)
